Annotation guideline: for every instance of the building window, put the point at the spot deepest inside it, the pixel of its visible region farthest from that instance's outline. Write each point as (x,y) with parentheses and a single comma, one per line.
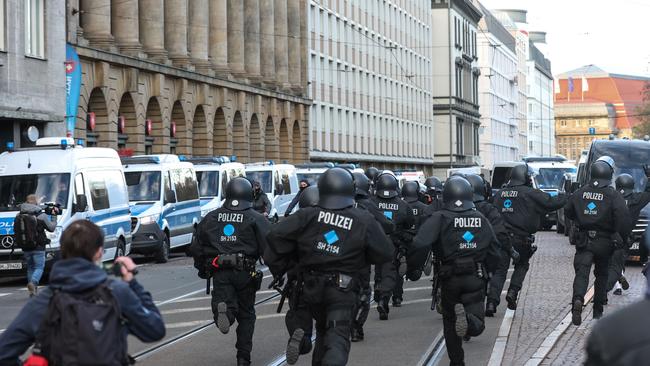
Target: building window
(2,25)
(459,137)
(591,122)
(563,123)
(35,28)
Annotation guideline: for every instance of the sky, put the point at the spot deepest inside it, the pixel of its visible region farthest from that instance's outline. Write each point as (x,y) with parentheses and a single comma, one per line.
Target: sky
(612,35)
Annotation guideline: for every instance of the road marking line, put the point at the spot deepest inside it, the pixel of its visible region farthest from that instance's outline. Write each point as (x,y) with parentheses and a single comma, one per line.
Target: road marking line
(434,351)
(5,294)
(201,322)
(554,336)
(159,303)
(499,348)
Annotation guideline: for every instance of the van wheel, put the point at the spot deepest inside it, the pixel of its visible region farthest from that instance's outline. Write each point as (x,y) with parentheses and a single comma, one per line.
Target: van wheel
(162,256)
(120,249)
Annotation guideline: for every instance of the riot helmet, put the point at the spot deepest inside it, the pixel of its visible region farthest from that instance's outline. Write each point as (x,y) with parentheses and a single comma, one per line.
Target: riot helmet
(478,185)
(602,171)
(336,189)
(386,186)
(239,194)
(308,197)
(457,194)
(519,175)
(410,191)
(361,184)
(625,184)
(434,186)
(372,173)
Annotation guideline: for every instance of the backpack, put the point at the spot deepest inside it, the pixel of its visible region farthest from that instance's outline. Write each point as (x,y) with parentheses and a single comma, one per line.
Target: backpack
(26,232)
(83,329)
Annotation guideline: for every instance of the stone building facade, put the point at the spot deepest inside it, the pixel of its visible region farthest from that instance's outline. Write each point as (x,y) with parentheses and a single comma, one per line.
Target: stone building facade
(193,77)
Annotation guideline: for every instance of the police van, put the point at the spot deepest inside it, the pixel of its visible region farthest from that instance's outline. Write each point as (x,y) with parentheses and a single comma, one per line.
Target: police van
(212,175)
(312,171)
(278,181)
(547,175)
(404,176)
(85,183)
(165,206)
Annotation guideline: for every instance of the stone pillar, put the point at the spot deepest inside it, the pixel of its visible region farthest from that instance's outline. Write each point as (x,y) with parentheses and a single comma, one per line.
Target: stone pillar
(96,22)
(252,39)
(293,17)
(152,29)
(304,45)
(267,40)
(176,21)
(198,28)
(236,37)
(124,20)
(218,49)
(281,44)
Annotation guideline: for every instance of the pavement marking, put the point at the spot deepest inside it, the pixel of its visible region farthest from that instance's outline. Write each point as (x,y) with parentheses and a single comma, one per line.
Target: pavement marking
(554,336)
(499,348)
(5,294)
(432,354)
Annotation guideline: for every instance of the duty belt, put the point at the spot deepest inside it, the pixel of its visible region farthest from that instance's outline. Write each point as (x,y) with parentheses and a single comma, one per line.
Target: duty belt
(236,261)
(336,279)
(593,234)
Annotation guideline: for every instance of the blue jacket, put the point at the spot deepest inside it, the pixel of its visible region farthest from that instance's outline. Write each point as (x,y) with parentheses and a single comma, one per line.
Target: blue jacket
(77,275)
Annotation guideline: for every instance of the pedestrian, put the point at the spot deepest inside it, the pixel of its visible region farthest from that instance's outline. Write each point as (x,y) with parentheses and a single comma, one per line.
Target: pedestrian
(83,289)
(498,225)
(362,309)
(229,241)
(600,215)
(332,243)
(29,231)
(622,338)
(389,276)
(522,208)
(261,201)
(468,249)
(304,183)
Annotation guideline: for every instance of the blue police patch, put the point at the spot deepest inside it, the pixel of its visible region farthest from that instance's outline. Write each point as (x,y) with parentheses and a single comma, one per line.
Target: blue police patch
(388,214)
(507,203)
(228,230)
(468,236)
(591,206)
(331,237)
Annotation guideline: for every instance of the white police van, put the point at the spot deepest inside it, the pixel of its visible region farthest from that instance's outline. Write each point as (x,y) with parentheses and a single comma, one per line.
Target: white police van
(212,175)
(278,181)
(311,171)
(165,206)
(86,183)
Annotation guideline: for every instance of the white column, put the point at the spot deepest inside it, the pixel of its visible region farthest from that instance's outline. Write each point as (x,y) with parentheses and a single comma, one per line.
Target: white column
(267,40)
(236,37)
(176,22)
(152,29)
(124,19)
(96,22)
(281,44)
(218,49)
(198,28)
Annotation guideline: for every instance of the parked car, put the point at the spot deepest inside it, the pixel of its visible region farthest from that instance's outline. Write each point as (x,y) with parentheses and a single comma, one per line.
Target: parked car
(86,184)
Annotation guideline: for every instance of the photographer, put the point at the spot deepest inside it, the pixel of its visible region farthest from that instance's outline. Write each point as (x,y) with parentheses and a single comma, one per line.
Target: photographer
(29,229)
(99,310)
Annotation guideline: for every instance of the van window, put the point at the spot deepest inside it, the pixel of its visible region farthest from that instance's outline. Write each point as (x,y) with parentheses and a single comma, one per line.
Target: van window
(224,182)
(14,189)
(117,191)
(277,182)
(98,191)
(167,185)
(143,186)
(263,177)
(208,183)
(185,184)
(79,188)
(500,176)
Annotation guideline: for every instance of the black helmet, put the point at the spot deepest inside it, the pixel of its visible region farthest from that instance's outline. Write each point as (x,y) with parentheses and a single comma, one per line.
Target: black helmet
(386,186)
(362,184)
(625,184)
(457,194)
(239,194)
(372,174)
(336,189)
(478,185)
(410,191)
(434,185)
(308,197)
(602,171)
(519,175)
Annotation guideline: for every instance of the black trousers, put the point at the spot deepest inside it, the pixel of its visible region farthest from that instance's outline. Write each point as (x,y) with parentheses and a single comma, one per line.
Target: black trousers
(524,247)
(498,279)
(362,307)
(597,252)
(237,290)
(332,310)
(385,279)
(468,290)
(299,316)
(616,267)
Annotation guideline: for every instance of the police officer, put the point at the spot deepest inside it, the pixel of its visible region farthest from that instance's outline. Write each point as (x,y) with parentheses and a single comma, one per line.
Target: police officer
(434,190)
(635,201)
(521,207)
(600,214)
(372,173)
(362,197)
(302,185)
(498,225)
(464,241)
(388,277)
(229,240)
(332,243)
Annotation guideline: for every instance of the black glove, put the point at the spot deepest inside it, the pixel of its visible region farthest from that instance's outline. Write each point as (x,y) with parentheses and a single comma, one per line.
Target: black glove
(203,274)
(514,254)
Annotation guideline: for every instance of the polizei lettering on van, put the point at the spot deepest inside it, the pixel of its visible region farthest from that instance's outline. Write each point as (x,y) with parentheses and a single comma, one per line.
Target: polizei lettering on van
(467,222)
(592,196)
(335,220)
(230,217)
(388,206)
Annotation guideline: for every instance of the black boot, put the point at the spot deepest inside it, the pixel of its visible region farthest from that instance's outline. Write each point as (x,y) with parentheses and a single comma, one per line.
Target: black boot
(293,347)
(598,311)
(576,312)
(356,334)
(243,362)
(397,301)
(624,283)
(490,309)
(382,308)
(511,298)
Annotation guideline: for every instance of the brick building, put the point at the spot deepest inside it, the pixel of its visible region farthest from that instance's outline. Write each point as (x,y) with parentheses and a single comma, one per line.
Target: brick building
(591,103)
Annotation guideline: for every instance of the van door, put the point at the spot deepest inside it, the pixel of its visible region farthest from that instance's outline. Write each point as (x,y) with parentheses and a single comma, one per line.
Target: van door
(187,209)
(79,197)
(99,212)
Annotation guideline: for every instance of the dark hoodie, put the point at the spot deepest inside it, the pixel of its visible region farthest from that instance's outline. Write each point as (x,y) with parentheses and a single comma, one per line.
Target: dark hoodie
(44,223)
(77,275)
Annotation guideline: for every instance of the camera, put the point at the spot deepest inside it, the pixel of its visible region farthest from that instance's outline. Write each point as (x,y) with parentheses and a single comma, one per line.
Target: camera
(52,208)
